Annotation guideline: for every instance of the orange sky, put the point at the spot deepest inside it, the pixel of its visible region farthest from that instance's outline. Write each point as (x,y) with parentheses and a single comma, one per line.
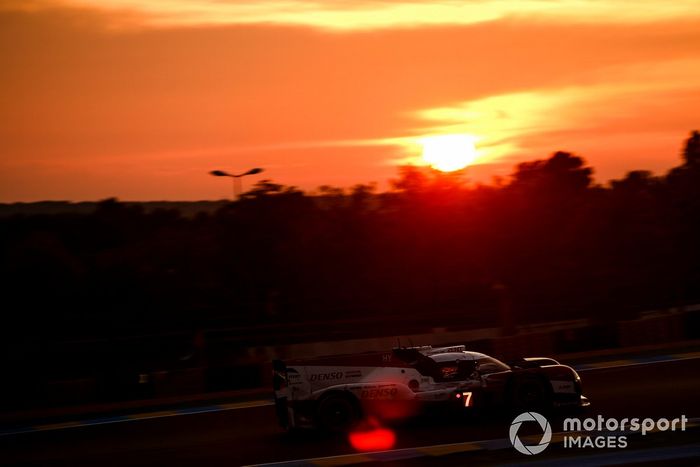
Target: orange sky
(104,98)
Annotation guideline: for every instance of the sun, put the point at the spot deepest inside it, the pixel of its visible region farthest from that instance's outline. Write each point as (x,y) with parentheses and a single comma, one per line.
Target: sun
(448,153)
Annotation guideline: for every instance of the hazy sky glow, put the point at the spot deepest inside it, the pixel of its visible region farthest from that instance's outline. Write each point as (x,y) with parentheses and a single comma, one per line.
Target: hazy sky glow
(140,100)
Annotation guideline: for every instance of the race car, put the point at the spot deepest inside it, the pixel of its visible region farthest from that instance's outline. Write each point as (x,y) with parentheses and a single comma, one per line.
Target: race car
(335,392)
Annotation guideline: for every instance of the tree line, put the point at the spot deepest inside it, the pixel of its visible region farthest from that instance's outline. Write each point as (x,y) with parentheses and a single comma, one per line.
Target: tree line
(432,250)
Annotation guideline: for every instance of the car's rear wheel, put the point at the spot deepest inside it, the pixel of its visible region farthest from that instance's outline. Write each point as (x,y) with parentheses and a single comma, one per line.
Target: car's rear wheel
(529,393)
(337,413)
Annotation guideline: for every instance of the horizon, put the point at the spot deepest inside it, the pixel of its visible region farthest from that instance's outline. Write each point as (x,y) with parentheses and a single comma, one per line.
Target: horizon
(433,174)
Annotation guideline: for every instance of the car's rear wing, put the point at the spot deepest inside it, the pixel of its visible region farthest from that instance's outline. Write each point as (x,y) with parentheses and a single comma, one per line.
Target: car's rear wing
(279,375)
(279,386)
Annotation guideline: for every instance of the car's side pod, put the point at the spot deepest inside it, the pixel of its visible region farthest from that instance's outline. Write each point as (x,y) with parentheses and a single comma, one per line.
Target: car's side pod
(527,390)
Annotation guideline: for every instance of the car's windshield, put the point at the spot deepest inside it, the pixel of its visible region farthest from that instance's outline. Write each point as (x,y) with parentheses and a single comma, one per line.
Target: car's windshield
(487,365)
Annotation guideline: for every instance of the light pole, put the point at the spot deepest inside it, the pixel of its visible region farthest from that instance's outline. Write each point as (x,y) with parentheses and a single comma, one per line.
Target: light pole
(236,179)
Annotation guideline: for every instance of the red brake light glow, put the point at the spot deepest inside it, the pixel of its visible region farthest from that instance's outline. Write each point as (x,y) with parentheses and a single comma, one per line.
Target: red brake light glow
(377,439)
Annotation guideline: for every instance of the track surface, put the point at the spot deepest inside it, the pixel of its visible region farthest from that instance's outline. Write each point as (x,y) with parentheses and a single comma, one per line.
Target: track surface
(249,436)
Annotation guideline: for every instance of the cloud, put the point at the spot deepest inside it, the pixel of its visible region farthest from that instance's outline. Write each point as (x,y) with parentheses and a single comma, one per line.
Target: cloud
(340,15)
(639,110)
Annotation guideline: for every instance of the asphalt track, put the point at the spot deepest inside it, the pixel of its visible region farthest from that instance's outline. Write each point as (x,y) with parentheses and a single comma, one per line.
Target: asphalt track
(251,436)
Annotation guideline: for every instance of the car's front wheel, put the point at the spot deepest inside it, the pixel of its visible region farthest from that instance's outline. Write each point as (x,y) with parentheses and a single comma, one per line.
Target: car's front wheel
(529,393)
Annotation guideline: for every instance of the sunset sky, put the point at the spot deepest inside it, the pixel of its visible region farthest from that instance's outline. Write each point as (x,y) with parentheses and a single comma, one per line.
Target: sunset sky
(140,99)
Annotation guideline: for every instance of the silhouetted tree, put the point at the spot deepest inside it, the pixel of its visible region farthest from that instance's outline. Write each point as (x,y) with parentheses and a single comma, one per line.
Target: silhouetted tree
(562,172)
(691,151)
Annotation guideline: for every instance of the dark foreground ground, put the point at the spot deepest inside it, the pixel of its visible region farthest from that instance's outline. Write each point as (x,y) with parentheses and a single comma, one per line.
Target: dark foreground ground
(251,436)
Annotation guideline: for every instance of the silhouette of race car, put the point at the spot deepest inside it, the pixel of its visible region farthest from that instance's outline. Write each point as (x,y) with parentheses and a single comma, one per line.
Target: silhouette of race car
(335,392)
